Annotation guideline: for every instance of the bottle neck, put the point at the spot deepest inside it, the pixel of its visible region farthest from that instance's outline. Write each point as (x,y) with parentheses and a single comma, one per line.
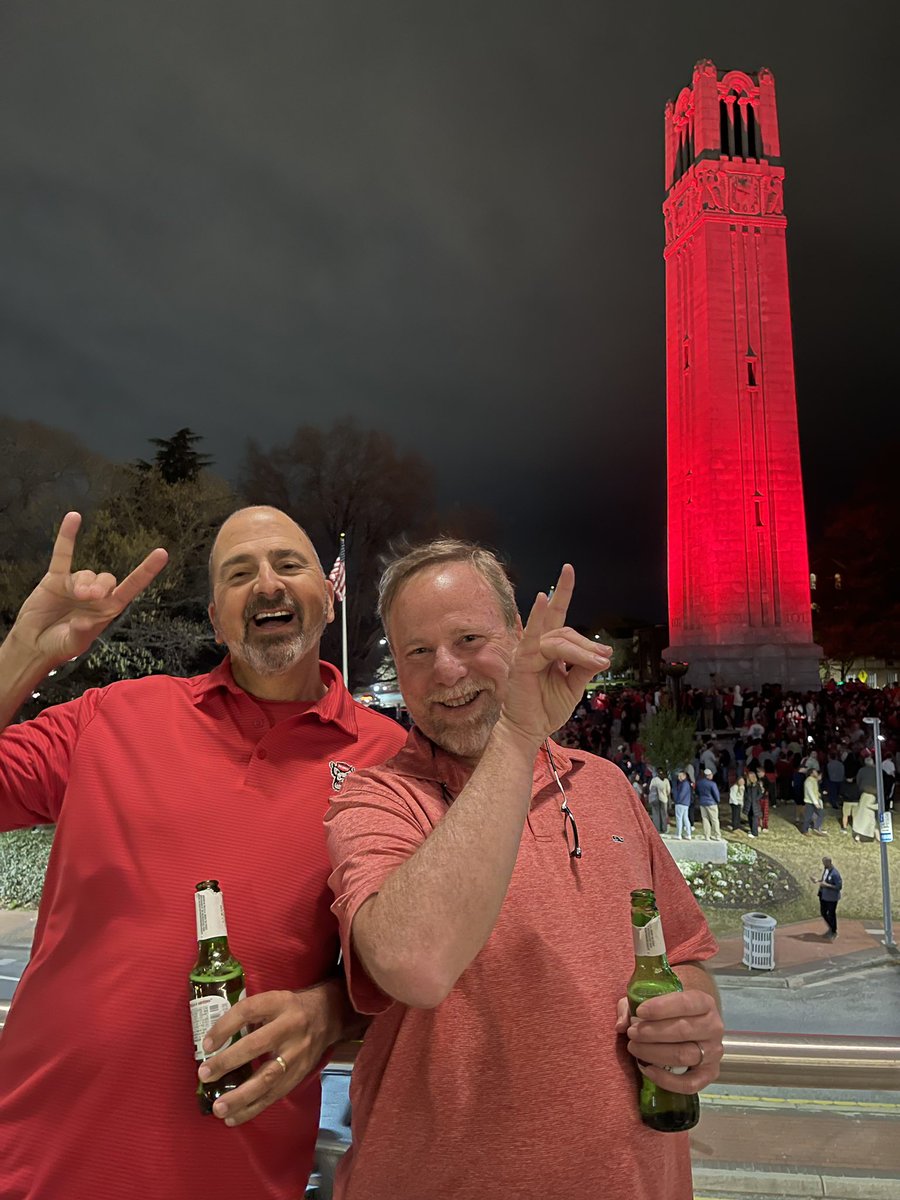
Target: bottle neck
(649,943)
(211,949)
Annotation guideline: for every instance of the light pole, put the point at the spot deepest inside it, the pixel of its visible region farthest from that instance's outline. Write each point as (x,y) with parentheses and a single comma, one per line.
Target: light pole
(885,877)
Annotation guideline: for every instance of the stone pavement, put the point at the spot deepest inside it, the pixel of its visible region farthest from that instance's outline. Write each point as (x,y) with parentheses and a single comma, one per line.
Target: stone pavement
(803,954)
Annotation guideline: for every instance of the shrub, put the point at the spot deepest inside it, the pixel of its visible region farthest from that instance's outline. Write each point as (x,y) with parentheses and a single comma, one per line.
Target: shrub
(23,863)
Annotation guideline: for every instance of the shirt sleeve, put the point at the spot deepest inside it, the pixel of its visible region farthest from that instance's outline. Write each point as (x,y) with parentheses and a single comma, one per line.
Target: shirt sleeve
(35,758)
(371,829)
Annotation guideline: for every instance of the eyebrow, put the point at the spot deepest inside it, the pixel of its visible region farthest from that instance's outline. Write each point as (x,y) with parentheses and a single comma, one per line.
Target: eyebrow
(238,560)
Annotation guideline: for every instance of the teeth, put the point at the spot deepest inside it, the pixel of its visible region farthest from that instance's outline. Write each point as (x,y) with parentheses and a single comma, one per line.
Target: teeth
(265,616)
(459,702)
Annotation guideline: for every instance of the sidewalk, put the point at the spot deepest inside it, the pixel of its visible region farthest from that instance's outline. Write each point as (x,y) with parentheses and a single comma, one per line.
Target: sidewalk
(803,954)
(17,927)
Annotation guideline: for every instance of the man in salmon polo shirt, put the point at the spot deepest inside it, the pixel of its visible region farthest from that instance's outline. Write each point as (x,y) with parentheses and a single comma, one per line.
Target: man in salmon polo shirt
(490,939)
(154,785)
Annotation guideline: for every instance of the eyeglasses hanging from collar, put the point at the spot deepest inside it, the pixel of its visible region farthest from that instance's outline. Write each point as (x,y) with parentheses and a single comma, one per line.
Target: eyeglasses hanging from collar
(572,841)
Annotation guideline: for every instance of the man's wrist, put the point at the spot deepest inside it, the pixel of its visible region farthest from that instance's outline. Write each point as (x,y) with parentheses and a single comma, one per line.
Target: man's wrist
(511,738)
(22,660)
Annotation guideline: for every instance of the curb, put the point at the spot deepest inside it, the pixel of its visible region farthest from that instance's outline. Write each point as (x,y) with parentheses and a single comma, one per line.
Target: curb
(748,1181)
(797,977)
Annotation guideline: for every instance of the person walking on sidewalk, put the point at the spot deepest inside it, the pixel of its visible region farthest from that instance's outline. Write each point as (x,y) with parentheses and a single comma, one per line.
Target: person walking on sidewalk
(830,885)
(708,797)
(659,803)
(813,810)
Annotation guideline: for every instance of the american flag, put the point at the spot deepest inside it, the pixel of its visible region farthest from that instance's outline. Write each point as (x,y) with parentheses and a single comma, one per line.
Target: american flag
(338,574)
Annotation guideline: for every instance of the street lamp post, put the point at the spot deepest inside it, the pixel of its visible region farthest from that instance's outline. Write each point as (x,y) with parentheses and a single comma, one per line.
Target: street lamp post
(882,841)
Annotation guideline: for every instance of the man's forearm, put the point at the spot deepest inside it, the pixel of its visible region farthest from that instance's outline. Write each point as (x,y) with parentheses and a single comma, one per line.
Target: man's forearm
(21,670)
(435,912)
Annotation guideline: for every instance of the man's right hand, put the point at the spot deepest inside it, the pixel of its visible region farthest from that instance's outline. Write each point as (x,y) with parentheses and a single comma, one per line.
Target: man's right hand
(66,612)
(551,666)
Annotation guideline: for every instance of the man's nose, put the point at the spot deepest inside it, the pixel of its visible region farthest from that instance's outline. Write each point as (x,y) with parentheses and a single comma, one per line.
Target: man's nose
(447,667)
(267,580)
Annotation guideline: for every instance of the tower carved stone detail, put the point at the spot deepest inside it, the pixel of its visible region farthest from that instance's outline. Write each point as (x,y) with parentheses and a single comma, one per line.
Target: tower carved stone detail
(739,603)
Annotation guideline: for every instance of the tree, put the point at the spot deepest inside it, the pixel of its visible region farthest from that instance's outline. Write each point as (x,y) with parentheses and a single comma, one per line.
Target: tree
(350,480)
(45,473)
(176,459)
(166,628)
(668,740)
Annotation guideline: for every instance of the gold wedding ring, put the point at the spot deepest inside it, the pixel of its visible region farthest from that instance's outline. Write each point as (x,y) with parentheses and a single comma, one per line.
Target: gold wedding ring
(283,1064)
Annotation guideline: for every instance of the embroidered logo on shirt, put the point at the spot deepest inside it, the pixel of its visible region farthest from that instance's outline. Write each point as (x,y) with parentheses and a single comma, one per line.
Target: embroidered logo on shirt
(339,772)
(616,838)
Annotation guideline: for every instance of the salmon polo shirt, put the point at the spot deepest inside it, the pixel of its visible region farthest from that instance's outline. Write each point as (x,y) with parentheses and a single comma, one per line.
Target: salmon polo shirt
(517,1085)
(156,784)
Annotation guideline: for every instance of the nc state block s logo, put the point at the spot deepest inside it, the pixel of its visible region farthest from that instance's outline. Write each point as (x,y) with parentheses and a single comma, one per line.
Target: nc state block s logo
(339,772)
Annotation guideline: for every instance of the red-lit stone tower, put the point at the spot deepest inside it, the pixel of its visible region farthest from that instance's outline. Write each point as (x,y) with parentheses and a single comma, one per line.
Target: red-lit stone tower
(739,604)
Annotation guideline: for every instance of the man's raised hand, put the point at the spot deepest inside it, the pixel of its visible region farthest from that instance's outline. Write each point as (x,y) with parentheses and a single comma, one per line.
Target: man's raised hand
(66,612)
(552,665)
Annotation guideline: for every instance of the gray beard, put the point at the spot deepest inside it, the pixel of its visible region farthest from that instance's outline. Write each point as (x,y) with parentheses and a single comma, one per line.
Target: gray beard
(274,657)
(465,741)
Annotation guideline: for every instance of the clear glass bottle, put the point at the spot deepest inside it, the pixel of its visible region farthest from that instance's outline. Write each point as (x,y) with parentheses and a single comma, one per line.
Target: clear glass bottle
(667,1112)
(216,983)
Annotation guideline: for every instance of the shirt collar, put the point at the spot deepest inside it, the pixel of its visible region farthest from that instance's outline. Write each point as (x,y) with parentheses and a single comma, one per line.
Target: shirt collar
(420,758)
(336,706)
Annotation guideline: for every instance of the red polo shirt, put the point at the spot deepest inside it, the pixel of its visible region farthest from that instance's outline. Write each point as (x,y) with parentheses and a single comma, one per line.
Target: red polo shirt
(156,784)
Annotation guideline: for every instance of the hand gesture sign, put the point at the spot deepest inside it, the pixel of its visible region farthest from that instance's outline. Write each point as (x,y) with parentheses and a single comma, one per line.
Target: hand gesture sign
(551,666)
(66,612)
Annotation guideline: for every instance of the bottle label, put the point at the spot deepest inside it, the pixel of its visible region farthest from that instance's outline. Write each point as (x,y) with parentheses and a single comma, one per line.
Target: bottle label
(648,939)
(210,908)
(205,1011)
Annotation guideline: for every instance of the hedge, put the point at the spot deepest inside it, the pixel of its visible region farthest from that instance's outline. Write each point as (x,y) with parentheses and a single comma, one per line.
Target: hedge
(23,863)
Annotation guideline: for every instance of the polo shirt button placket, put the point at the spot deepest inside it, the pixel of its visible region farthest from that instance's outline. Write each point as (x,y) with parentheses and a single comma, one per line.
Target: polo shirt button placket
(262,753)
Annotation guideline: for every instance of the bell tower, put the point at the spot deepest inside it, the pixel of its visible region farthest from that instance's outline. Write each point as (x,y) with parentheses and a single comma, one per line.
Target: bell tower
(739,602)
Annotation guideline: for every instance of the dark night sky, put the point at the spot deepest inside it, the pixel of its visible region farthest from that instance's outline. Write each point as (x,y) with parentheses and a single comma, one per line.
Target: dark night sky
(442,219)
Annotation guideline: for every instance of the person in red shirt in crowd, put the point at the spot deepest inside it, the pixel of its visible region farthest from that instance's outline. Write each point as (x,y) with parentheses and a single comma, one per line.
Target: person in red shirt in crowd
(494,952)
(156,784)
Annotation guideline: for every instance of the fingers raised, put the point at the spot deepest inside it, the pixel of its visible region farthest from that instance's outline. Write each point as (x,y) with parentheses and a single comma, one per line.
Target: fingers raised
(141,577)
(558,605)
(64,546)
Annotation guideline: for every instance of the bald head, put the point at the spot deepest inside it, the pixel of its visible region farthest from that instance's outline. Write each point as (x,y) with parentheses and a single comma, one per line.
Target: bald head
(254,520)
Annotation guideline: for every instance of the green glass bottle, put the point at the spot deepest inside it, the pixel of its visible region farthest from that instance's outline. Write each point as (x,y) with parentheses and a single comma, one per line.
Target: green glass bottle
(216,983)
(667,1112)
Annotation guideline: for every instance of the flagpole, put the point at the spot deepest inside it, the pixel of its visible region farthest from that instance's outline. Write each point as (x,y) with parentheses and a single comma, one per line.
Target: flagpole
(344,615)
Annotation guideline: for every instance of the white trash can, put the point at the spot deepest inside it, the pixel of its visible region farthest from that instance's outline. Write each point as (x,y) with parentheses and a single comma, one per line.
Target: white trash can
(759,941)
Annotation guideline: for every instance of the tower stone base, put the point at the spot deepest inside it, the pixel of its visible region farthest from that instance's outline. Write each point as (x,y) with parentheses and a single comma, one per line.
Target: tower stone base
(795,666)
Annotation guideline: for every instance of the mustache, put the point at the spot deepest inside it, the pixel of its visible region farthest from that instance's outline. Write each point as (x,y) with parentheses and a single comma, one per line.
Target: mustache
(466,693)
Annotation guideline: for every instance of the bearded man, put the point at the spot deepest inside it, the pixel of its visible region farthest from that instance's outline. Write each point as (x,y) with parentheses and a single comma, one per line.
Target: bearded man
(154,785)
(489,935)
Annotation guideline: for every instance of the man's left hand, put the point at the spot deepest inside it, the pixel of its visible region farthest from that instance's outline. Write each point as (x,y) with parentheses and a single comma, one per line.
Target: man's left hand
(681,1029)
(295,1027)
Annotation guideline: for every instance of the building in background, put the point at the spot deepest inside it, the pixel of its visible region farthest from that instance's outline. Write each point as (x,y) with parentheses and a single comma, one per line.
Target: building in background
(739,603)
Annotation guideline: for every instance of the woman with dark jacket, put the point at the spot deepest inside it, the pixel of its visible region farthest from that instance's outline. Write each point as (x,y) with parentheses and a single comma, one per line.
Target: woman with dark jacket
(753,794)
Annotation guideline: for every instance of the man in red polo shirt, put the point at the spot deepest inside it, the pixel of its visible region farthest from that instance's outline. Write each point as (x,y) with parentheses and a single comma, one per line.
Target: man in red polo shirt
(490,939)
(155,784)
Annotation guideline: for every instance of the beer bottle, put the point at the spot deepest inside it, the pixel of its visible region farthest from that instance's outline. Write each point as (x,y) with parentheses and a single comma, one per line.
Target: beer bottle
(216,983)
(667,1112)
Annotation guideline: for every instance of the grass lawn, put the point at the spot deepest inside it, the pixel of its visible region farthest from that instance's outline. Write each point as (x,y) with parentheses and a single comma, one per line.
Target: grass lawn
(859,865)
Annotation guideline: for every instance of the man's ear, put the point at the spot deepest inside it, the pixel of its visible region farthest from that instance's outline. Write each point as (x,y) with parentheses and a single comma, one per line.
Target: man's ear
(212,620)
(518,628)
(329,597)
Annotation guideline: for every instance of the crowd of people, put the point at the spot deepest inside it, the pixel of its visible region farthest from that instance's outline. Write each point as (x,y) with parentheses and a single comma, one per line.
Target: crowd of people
(811,752)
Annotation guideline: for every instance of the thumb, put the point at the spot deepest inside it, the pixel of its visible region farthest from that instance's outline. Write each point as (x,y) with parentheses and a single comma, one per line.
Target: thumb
(623,1015)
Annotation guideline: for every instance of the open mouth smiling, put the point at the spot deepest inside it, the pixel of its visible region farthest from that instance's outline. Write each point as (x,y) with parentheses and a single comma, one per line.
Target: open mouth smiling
(276,619)
(459,701)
